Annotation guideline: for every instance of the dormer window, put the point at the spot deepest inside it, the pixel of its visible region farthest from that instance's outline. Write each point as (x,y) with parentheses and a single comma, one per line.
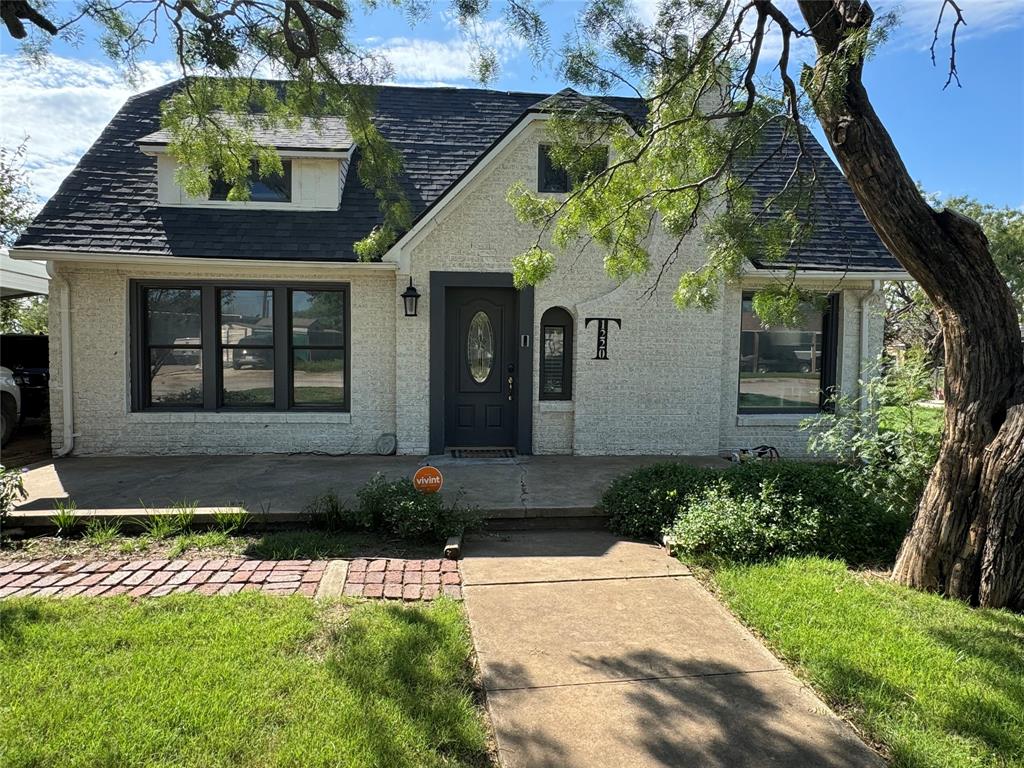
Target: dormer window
(275,188)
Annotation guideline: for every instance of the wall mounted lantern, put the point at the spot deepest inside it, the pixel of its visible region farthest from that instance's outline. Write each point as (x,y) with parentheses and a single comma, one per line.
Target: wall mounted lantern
(411,297)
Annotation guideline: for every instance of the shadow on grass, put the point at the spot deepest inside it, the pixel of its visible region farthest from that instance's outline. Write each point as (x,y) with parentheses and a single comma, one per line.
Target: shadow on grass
(413,662)
(301,545)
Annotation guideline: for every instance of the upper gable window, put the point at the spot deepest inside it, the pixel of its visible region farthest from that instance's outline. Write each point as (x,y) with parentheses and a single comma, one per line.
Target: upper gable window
(275,188)
(551,178)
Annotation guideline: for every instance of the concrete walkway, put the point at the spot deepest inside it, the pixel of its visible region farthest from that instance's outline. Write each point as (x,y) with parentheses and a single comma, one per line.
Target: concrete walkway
(600,652)
(279,487)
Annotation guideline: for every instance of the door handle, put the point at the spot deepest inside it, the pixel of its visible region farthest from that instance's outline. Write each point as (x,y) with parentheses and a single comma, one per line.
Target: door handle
(510,382)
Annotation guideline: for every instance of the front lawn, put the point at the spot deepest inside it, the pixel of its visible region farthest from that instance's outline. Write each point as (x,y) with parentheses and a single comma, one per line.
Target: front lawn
(247,680)
(934,682)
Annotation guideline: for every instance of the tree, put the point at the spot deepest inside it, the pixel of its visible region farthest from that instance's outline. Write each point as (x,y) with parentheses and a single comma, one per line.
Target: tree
(711,88)
(911,319)
(24,315)
(15,195)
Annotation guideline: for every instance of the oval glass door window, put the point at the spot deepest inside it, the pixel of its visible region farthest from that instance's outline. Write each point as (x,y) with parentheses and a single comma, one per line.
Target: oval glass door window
(480,347)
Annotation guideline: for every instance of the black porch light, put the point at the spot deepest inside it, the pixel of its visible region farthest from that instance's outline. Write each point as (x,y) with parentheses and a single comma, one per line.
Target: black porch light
(411,297)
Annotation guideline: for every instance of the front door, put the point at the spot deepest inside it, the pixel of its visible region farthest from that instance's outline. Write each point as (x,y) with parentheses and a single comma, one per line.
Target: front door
(480,367)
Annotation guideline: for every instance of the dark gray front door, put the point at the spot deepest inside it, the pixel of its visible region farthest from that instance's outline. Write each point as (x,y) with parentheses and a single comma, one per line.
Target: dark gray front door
(480,367)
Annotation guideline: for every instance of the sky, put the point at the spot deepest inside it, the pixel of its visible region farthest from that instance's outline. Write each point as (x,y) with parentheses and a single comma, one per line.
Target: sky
(954,141)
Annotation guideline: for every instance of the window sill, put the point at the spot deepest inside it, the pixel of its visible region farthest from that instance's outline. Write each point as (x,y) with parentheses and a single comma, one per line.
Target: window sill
(772,419)
(241,417)
(557,406)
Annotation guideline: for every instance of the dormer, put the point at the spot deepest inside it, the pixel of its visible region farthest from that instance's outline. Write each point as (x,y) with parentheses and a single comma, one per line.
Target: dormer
(315,157)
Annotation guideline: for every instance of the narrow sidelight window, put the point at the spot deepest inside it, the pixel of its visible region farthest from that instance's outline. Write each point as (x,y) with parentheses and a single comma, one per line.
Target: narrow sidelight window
(787,369)
(556,355)
(239,346)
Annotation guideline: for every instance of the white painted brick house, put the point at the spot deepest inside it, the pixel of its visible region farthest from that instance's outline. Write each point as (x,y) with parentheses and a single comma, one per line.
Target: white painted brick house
(185,326)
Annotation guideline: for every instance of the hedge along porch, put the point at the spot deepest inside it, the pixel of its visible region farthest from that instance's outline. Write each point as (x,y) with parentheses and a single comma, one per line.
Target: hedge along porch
(276,339)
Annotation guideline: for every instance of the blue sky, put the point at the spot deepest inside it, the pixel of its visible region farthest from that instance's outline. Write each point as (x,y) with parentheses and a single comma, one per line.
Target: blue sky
(967,140)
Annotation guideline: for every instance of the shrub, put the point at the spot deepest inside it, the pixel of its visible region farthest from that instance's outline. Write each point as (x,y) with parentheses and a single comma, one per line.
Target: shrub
(396,507)
(887,444)
(12,490)
(721,523)
(328,512)
(854,528)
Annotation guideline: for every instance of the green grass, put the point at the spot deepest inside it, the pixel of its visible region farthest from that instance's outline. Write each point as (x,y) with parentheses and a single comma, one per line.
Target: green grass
(937,683)
(927,418)
(248,680)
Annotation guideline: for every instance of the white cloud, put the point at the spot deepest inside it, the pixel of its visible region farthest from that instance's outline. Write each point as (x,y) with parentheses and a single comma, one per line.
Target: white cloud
(61,109)
(423,61)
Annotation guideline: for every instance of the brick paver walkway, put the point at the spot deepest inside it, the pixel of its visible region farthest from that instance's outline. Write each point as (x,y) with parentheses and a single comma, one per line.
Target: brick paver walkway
(404,579)
(392,578)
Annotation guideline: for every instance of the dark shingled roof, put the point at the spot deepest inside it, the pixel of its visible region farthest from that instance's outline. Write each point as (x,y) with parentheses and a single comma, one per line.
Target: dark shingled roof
(109,201)
(326,134)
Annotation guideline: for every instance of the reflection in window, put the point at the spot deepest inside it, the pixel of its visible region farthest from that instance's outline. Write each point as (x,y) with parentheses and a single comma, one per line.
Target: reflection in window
(247,347)
(556,355)
(785,368)
(552,178)
(173,346)
(274,188)
(318,347)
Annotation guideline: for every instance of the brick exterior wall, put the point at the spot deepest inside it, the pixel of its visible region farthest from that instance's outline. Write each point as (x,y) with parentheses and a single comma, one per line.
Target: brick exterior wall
(105,424)
(669,385)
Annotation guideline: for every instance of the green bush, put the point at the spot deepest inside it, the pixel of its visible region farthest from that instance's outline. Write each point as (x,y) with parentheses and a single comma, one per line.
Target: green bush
(396,507)
(855,528)
(722,524)
(327,511)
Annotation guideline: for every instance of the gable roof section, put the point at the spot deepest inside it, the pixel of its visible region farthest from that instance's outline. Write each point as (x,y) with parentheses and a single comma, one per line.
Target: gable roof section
(109,201)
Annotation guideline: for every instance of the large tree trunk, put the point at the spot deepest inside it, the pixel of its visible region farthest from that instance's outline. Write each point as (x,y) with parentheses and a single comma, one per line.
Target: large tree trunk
(967,538)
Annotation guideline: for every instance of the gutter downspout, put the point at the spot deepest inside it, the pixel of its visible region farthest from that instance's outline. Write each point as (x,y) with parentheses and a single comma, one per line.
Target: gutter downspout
(66,391)
(865,360)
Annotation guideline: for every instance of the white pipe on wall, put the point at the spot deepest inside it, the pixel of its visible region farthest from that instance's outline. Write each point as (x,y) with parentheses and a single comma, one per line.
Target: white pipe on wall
(66,390)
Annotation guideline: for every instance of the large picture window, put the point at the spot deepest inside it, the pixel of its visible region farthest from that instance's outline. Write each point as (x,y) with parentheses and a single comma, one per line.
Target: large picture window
(240,346)
(787,369)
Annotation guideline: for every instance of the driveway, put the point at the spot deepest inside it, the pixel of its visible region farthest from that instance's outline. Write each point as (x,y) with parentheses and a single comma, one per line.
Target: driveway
(600,652)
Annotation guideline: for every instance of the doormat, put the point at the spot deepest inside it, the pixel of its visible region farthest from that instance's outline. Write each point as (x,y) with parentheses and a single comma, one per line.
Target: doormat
(483,453)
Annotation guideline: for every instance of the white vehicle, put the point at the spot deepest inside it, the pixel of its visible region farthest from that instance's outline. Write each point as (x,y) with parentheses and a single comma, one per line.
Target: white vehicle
(10,404)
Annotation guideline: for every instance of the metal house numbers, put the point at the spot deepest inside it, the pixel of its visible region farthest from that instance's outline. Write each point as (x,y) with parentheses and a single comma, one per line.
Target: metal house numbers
(602,334)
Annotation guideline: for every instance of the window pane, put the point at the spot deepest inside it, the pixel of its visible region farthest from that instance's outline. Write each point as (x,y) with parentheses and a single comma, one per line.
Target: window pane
(172,316)
(780,368)
(247,318)
(554,359)
(318,318)
(251,386)
(276,188)
(549,177)
(318,377)
(176,377)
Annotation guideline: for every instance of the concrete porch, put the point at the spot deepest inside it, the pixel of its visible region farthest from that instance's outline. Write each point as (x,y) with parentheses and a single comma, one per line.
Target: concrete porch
(276,488)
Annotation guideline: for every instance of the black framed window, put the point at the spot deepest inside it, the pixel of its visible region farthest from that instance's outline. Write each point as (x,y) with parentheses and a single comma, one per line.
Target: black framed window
(246,336)
(788,369)
(172,346)
(318,368)
(556,355)
(240,346)
(274,188)
(551,178)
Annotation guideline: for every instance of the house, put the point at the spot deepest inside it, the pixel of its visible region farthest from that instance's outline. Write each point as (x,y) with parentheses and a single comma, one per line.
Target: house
(184,326)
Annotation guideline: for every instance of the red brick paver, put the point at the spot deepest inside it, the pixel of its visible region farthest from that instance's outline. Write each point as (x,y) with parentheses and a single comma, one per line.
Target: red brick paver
(391,578)
(395,579)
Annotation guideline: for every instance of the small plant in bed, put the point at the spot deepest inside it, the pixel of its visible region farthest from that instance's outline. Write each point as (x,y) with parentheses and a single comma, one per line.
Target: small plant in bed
(12,490)
(396,507)
(231,520)
(65,517)
(102,531)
